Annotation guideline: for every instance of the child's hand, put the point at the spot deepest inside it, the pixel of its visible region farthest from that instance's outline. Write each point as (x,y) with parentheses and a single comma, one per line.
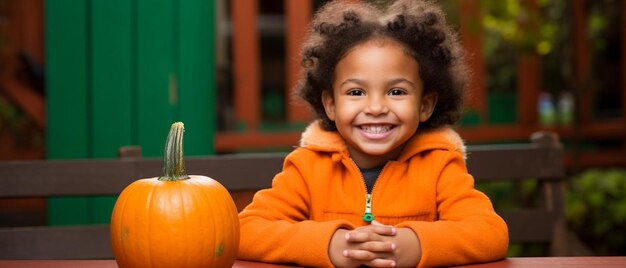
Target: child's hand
(366,245)
(375,245)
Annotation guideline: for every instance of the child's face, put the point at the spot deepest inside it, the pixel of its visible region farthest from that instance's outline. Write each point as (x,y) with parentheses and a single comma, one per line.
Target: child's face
(377,101)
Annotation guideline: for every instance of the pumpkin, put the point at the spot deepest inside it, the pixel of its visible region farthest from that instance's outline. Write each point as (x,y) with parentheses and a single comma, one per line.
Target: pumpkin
(176,220)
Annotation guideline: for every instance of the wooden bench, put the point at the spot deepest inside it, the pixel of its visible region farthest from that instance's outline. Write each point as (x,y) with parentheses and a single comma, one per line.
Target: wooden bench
(243,174)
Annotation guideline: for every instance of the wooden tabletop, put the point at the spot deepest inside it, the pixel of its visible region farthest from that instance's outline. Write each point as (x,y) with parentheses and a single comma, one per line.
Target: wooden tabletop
(104,264)
(564,262)
(556,262)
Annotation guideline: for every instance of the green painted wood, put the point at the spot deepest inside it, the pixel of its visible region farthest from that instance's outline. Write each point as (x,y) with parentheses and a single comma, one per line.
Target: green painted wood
(120,73)
(156,74)
(66,80)
(101,208)
(111,100)
(68,134)
(111,72)
(197,75)
(69,210)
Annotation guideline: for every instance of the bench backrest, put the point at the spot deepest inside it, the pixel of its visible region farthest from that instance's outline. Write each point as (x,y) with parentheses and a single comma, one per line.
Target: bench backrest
(243,174)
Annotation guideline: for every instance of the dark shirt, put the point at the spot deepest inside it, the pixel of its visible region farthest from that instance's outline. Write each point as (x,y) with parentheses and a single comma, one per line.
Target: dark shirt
(370,175)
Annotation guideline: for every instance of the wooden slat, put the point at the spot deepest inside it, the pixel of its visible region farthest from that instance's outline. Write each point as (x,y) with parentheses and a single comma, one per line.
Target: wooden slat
(530,225)
(234,141)
(528,71)
(156,73)
(58,178)
(513,162)
(623,68)
(239,172)
(197,88)
(605,129)
(105,177)
(582,62)
(66,79)
(471,36)
(298,14)
(246,62)
(110,50)
(87,242)
(32,36)
(528,86)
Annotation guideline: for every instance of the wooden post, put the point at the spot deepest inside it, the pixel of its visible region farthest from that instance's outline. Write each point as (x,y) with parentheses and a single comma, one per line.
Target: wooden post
(528,88)
(582,63)
(623,66)
(529,75)
(246,62)
(471,35)
(32,20)
(298,16)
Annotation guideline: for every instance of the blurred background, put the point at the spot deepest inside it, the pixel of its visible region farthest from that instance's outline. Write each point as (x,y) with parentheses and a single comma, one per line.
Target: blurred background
(81,78)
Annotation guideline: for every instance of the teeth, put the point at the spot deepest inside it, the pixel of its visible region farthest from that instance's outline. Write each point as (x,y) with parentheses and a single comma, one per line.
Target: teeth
(376,129)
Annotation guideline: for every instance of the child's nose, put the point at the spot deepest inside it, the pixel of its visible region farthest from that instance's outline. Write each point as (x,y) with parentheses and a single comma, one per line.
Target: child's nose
(376,105)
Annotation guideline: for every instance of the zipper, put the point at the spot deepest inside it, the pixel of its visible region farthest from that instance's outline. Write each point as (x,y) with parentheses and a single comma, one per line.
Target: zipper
(368,216)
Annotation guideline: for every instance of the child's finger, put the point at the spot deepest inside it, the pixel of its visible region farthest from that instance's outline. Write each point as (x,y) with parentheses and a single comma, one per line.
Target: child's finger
(378,229)
(368,258)
(381,263)
(385,230)
(362,236)
(359,255)
(378,247)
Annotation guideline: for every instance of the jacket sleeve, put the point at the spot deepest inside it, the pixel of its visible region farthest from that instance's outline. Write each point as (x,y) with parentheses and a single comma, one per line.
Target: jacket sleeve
(468,230)
(275,226)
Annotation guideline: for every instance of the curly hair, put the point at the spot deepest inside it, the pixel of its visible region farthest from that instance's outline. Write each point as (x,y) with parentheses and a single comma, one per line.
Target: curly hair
(419,25)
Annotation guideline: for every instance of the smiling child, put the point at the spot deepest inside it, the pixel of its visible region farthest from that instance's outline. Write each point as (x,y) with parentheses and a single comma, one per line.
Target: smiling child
(379,178)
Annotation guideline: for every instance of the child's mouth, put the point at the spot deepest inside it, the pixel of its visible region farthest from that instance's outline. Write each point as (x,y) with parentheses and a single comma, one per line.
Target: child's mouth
(376,129)
(376,132)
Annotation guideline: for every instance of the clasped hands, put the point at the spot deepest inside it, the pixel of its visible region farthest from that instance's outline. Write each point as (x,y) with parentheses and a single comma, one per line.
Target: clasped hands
(375,245)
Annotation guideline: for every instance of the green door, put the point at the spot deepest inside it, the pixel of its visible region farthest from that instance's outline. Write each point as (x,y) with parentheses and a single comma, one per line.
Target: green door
(119,72)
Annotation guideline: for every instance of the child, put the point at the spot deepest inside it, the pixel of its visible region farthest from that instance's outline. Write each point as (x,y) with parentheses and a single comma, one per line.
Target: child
(380,178)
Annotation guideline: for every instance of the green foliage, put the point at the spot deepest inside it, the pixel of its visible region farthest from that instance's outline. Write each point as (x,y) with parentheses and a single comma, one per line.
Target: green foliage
(507,195)
(525,29)
(513,28)
(596,209)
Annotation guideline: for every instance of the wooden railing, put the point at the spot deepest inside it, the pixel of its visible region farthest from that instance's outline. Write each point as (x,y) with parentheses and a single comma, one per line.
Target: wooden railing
(243,174)
(247,108)
(26,34)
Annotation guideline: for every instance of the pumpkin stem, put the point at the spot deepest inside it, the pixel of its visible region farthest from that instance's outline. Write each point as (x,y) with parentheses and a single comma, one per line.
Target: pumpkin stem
(173,160)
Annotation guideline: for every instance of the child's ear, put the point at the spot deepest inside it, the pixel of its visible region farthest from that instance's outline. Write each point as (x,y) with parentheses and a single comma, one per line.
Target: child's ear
(428,105)
(329,104)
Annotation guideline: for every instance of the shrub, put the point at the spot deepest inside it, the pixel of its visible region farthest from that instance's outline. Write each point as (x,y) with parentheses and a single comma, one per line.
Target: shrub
(595,207)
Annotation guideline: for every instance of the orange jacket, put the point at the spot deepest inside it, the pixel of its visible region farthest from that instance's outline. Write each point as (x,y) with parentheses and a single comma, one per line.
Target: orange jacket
(321,189)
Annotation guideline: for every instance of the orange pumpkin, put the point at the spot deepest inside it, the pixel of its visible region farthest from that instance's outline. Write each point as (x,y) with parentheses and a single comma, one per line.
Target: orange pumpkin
(175,220)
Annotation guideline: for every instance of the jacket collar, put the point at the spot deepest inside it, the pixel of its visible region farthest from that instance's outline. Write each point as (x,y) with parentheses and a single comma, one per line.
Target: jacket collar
(445,138)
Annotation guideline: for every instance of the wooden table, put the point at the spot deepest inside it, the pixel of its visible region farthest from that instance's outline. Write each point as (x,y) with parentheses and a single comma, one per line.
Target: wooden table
(554,262)
(103,264)
(564,262)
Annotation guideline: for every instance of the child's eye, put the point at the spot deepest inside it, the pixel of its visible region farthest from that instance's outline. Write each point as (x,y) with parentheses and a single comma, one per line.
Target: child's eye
(396,91)
(356,92)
